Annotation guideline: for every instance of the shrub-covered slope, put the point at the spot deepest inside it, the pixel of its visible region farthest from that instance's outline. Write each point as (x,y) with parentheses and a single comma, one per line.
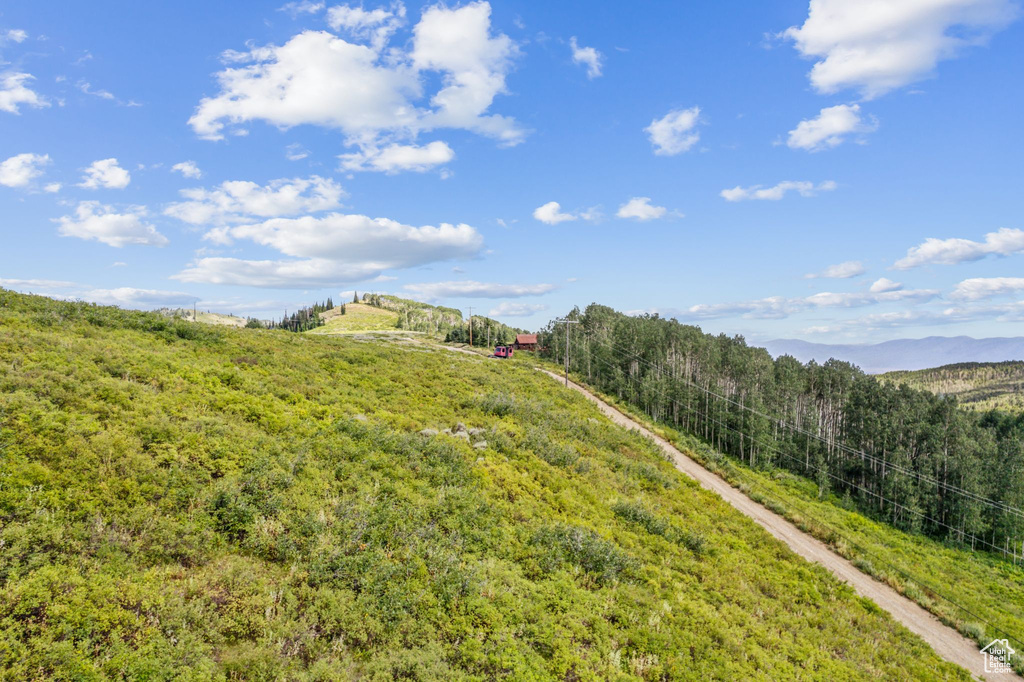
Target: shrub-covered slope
(977,385)
(182,501)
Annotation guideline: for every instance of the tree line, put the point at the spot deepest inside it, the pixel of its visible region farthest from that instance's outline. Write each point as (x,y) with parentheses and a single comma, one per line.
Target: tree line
(905,456)
(304,319)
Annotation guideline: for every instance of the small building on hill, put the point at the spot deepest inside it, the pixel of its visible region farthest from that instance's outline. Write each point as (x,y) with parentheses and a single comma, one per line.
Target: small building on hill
(526,342)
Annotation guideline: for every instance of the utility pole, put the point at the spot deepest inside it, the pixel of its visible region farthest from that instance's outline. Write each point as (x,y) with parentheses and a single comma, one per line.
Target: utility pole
(567,323)
(471,326)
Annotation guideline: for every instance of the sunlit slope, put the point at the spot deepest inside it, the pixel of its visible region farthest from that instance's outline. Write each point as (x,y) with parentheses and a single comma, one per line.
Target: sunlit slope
(195,502)
(977,385)
(358,317)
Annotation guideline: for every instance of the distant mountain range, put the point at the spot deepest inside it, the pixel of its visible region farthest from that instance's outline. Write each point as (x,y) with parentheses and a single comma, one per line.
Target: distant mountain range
(904,354)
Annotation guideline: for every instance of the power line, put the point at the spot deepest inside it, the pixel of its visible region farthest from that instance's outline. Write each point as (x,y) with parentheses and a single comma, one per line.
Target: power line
(851,484)
(995,504)
(906,576)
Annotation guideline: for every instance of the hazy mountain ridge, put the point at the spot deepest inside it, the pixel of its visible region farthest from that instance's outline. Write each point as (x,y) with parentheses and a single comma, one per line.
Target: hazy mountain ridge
(904,354)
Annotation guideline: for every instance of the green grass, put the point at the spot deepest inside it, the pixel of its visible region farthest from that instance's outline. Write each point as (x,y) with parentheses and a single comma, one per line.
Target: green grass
(187,502)
(978,593)
(359,317)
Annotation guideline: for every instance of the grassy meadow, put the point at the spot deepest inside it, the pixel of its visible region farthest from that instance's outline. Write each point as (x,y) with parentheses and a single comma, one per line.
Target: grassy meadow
(358,317)
(180,501)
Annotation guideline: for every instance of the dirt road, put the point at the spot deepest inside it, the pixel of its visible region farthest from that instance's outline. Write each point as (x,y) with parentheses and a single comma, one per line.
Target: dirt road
(947,642)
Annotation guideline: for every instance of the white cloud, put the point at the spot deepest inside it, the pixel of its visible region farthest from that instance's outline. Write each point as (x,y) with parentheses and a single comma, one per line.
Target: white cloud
(20,170)
(675,132)
(95,221)
(130,297)
(978,288)
(52,187)
(884,284)
(236,201)
(188,169)
(295,152)
(107,174)
(14,35)
(850,268)
(375,96)
(640,208)
(375,26)
(804,188)
(13,92)
(33,284)
(778,307)
(830,128)
(509,309)
(551,213)
(86,88)
(471,289)
(1003,242)
(586,56)
(301,7)
(875,46)
(398,157)
(332,249)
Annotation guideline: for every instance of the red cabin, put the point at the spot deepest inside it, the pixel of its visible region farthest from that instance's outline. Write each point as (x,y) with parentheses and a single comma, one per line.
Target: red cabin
(526,342)
(503,351)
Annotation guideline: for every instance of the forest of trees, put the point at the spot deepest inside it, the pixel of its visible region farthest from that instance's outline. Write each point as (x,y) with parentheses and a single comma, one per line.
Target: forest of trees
(305,319)
(906,456)
(486,333)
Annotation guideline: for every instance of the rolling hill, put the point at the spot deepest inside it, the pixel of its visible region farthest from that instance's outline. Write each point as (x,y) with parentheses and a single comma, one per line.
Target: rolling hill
(978,385)
(185,501)
(904,354)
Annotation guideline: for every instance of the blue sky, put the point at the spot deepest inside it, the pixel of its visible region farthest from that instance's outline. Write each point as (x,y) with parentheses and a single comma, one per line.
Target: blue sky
(839,171)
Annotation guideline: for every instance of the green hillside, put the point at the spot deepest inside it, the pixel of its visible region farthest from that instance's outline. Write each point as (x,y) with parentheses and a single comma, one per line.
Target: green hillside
(977,385)
(182,501)
(358,317)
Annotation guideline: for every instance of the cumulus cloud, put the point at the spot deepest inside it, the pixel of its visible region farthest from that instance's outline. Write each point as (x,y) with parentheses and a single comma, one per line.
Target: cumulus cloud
(778,307)
(130,297)
(14,35)
(830,128)
(14,92)
(586,56)
(978,288)
(1003,242)
(509,309)
(551,213)
(22,169)
(760,192)
(375,26)
(884,284)
(332,249)
(640,208)
(398,157)
(95,221)
(302,7)
(675,132)
(373,93)
(106,174)
(850,268)
(33,284)
(471,289)
(188,169)
(52,187)
(237,201)
(875,46)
